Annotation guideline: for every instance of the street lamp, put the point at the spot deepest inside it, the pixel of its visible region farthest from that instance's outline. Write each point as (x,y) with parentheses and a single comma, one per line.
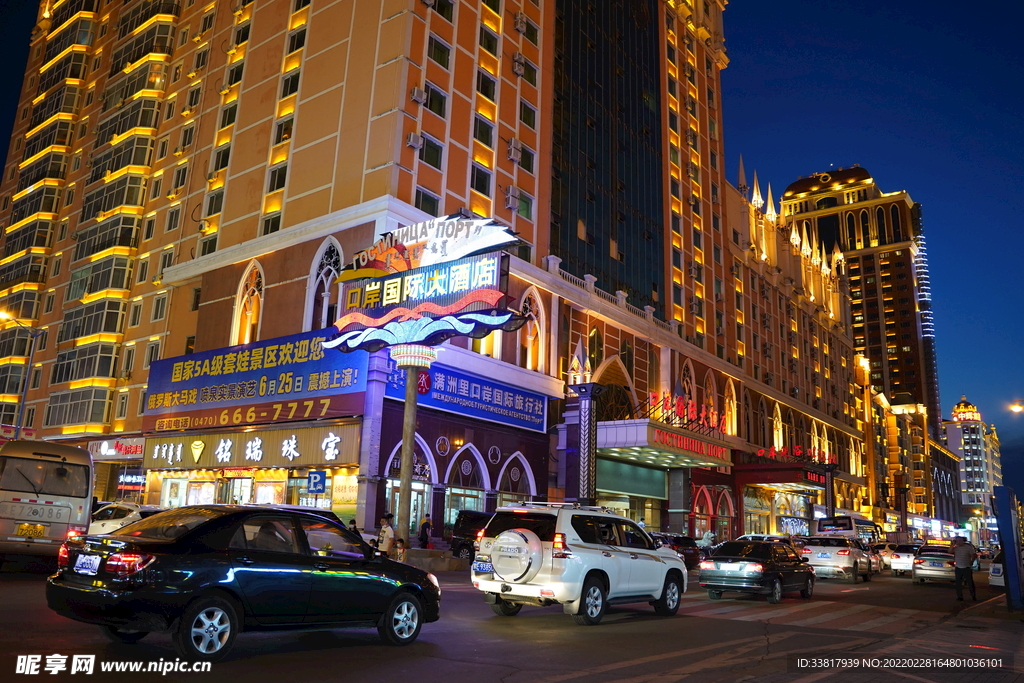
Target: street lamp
(34,332)
(1017,407)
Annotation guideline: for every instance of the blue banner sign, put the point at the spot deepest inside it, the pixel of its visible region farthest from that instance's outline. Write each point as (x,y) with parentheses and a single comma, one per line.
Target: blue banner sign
(272,380)
(456,391)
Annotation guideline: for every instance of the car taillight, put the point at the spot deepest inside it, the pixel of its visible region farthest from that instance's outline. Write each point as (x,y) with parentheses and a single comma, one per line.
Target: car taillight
(707,564)
(845,551)
(75,534)
(479,537)
(894,556)
(752,567)
(62,556)
(124,564)
(559,548)
(918,561)
(806,550)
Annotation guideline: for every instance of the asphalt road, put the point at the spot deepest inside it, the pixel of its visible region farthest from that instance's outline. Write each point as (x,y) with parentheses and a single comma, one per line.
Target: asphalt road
(738,638)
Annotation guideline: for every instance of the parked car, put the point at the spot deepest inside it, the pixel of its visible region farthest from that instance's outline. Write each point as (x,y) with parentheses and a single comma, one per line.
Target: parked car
(685,546)
(205,573)
(582,558)
(467,526)
(837,556)
(884,550)
(901,559)
(756,567)
(934,563)
(769,538)
(323,512)
(112,517)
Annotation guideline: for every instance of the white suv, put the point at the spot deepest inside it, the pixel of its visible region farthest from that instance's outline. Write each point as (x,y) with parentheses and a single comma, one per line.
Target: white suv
(838,556)
(583,558)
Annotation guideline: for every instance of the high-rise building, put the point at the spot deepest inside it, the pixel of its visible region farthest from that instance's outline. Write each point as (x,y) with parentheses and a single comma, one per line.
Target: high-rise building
(187,181)
(977,445)
(881,236)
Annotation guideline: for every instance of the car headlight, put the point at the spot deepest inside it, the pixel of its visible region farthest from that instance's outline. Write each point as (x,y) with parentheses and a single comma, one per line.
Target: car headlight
(433,580)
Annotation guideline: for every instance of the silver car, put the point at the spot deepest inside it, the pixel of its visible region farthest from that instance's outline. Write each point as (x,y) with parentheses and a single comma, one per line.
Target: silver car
(838,557)
(110,518)
(901,559)
(934,563)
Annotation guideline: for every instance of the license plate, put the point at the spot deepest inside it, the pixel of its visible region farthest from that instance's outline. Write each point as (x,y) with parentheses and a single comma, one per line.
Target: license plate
(937,564)
(87,564)
(730,566)
(824,556)
(510,549)
(483,567)
(47,513)
(30,530)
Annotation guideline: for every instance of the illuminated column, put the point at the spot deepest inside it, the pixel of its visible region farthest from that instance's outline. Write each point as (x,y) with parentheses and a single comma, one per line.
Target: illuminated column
(586,391)
(412,358)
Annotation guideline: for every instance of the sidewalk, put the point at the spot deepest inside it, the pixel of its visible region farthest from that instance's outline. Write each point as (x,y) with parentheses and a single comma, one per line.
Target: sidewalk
(993,608)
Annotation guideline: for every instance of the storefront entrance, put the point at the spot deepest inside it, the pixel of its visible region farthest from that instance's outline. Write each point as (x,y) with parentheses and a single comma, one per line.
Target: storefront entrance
(419,506)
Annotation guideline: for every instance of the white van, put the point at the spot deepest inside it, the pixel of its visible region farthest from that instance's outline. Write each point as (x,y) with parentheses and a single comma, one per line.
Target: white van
(45,496)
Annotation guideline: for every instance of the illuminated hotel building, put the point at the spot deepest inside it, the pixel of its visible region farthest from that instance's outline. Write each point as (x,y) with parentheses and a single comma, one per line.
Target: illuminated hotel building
(188,179)
(977,444)
(881,237)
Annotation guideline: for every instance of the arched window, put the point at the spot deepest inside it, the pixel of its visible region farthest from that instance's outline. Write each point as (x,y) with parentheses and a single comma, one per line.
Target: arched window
(761,424)
(826,203)
(323,292)
(897,229)
(788,431)
(778,439)
(851,232)
(880,220)
(653,369)
(747,413)
(530,334)
(249,306)
(730,408)
(710,392)
(595,348)
(865,229)
(689,391)
(626,356)
(815,443)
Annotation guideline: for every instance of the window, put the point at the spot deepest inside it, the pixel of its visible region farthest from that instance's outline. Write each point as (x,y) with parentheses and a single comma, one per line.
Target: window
(485,85)
(190,345)
(196,296)
(201,59)
(527,114)
(531,32)
(235,73)
(194,96)
(427,202)
(207,23)
(431,152)
(278,176)
(445,8)
(328,541)
(437,101)
(493,4)
(154,191)
(173,218)
(180,173)
(228,115)
(142,271)
(69,196)
(297,40)
(161,148)
(271,223)
(438,51)
(149,229)
(166,260)
(483,130)
(135,314)
(176,72)
(152,354)
(283,130)
(187,135)
(159,310)
(525,209)
(526,159)
(488,41)
(128,360)
(142,403)
(169,111)
(214,203)
(299,4)
(290,84)
(480,180)
(55,270)
(529,73)
(221,158)
(122,406)
(242,33)
(208,245)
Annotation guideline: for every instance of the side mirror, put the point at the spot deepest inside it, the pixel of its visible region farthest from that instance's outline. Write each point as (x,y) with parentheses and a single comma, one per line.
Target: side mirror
(805,559)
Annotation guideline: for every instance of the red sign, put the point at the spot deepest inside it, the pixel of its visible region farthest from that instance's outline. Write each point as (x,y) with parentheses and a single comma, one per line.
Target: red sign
(423,383)
(786,453)
(688,411)
(688,443)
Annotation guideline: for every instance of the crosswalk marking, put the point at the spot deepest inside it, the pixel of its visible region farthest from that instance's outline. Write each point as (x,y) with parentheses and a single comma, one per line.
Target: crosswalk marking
(720,610)
(882,620)
(771,614)
(830,616)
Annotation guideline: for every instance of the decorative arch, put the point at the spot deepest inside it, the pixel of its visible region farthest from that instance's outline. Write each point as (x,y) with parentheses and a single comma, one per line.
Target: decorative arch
(530,337)
(725,497)
(702,492)
(612,373)
(761,423)
(865,227)
(883,234)
(518,457)
(248,310)
(851,231)
(427,453)
(686,380)
(485,476)
(323,295)
(778,439)
(748,433)
(595,347)
(730,408)
(897,229)
(815,442)
(710,391)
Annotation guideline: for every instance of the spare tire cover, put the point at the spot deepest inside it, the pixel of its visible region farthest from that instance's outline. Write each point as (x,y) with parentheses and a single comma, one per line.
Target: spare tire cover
(517,555)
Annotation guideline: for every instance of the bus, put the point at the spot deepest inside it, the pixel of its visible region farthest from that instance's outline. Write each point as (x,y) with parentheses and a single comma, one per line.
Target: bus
(848,525)
(45,496)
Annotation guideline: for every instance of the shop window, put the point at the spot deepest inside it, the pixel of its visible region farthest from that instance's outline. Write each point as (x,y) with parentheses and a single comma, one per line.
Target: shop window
(322,290)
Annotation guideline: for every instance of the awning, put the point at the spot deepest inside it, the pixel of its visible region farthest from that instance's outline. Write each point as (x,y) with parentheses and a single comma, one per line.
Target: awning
(656,444)
(780,476)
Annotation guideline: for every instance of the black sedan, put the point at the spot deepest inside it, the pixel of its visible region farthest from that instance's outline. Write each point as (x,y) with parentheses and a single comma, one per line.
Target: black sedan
(684,546)
(756,567)
(204,573)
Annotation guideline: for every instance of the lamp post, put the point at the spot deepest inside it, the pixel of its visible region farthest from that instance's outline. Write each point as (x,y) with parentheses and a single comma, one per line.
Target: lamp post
(586,391)
(34,333)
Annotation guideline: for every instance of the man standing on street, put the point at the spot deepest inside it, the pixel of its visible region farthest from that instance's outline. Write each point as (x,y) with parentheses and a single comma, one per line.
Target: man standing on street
(425,526)
(964,556)
(386,537)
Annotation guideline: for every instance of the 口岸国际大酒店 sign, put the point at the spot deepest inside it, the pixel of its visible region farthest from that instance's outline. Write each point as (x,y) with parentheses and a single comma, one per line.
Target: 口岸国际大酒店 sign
(287,378)
(456,391)
(335,444)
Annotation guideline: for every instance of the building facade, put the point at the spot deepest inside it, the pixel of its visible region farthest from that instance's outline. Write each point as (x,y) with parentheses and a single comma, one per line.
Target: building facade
(977,445)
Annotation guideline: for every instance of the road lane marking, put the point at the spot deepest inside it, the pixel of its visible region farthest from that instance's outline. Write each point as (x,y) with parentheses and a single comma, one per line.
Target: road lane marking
(771,614)
(882,620)
(720,610)
(831,616)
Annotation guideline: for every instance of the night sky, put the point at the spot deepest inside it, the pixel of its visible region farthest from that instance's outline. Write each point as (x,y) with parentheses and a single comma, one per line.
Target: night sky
(926,95)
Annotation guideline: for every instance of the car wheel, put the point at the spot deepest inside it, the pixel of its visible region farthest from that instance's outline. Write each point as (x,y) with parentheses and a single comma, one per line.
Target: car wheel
(465,553)
(853,574)
(715,595)
(504,608)
(668,604)
(207,629)
(593,603)
(119,635)
(775,597)
(401,621)
(867,576)
(808,590)
(919,581)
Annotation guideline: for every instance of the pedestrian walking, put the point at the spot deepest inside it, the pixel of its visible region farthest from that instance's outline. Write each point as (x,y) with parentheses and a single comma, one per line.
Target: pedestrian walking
(642,524)
(352,526)
(386,536)
(425,527)
(964,555)
(400,550)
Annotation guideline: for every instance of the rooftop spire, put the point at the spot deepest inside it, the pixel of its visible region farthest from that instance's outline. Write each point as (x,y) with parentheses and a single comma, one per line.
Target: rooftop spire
(770,213)
(742,187)
(756,198)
